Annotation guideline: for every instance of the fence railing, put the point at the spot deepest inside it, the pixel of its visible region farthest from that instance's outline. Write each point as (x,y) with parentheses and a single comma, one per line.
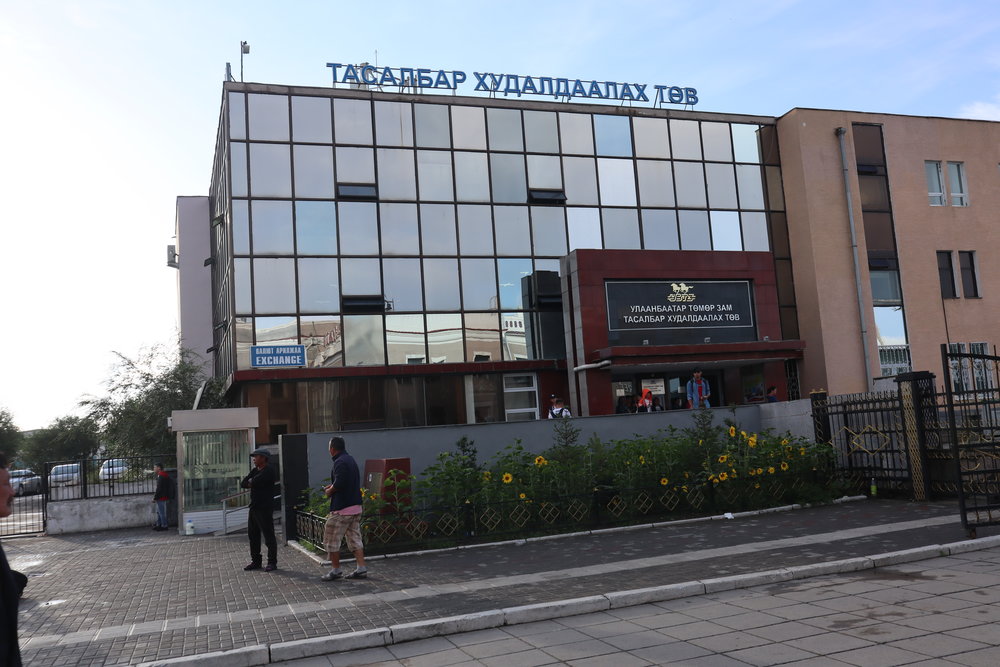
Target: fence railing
(442,526)
(104,477)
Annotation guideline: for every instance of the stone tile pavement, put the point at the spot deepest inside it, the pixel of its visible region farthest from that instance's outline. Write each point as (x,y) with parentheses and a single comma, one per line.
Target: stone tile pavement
(126,597)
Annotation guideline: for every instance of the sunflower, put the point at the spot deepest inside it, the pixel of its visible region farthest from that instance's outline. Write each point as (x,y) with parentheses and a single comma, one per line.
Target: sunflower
(642,460)
(752,440)
(784,465)
(723,476)
(507,478)
(760,471)
(540,461)
(723,458)
(802,451)
(684,488)
(732,431)
(664,481)
(784,441)
(487,475)
(522,496)
(770,470)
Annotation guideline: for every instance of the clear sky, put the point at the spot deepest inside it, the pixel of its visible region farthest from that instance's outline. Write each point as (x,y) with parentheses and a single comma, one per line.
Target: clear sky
(110,109)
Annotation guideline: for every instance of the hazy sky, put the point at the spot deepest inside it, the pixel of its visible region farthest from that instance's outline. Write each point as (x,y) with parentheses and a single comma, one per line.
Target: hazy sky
(110,110)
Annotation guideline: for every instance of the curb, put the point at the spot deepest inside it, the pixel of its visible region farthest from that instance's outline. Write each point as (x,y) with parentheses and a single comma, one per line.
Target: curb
(396,634)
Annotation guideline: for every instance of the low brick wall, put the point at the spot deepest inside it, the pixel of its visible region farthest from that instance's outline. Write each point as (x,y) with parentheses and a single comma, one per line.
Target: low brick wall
(80,516)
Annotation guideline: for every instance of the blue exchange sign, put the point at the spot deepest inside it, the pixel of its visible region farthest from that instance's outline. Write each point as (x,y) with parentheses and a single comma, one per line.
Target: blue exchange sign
(517,84)
(273,356)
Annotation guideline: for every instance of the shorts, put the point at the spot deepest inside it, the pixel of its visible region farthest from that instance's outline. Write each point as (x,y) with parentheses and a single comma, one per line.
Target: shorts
(340,526)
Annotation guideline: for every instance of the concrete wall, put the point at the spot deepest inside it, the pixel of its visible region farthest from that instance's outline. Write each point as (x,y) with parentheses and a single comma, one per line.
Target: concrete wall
(80,516)
(792,416)
(422,445)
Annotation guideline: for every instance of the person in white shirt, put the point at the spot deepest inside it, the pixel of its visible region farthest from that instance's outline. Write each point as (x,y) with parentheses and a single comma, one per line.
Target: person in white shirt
(558,410)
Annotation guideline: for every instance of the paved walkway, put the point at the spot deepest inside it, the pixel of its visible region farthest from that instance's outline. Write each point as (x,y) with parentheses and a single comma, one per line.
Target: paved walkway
(127,597)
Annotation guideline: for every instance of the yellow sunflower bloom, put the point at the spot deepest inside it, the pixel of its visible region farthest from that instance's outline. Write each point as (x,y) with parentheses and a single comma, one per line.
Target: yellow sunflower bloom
(664,481)
(723,458)
(802,451)
(540,461)
(487,475)
(723,476)
(684,488)
(743,434)
(752,440)
(756,485)
(784,465)
(642,460)
(507,478)
(770,470)
(784,441)
(522,496)
(732,431)
(760,471)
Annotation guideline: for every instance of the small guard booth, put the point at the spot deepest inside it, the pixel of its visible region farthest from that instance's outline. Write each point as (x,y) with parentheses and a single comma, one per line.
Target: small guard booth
(212,454)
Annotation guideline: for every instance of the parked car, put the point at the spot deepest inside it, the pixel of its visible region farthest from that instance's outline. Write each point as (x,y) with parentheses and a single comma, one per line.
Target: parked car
(67,474)
(113,469)
(25,482)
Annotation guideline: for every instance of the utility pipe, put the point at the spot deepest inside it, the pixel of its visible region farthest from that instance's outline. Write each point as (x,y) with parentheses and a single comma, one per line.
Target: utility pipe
(587,367)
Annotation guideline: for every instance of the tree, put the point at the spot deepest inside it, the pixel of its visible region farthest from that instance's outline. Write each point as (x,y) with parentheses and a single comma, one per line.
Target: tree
(66,439)
(10,434)
(142,392)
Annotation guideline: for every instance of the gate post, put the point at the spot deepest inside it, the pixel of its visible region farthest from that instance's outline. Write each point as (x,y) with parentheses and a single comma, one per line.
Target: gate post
(916,396)
(820,415)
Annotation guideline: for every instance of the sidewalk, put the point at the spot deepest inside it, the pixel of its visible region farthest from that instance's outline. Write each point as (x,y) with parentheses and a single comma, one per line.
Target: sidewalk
(130,596)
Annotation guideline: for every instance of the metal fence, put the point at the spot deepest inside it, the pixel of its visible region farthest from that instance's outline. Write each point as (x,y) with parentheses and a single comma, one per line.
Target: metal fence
(108,477)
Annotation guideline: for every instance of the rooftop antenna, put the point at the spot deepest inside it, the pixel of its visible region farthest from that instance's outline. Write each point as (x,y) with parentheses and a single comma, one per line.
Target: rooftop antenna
(244,49)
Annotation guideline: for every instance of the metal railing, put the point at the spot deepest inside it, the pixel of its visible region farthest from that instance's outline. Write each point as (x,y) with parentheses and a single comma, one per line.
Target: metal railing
(104,477)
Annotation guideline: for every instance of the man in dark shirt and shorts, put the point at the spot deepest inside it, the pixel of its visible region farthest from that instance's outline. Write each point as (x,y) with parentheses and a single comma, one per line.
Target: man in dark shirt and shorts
(344,520)
(260,518)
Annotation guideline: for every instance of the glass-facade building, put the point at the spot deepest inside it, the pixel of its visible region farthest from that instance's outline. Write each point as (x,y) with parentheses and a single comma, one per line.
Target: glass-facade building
(416,245)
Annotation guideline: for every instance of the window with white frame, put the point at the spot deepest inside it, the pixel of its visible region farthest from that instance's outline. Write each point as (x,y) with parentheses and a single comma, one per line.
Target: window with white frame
(935,183)
(956,184)
(520,397)
(972,373)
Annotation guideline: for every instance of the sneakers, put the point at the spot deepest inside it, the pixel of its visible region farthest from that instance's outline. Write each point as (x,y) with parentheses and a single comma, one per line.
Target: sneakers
(252,566)
(271,567)
(332,575)
(360,573)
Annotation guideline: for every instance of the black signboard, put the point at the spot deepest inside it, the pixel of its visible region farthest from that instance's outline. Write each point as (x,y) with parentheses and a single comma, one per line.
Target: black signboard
(672,312)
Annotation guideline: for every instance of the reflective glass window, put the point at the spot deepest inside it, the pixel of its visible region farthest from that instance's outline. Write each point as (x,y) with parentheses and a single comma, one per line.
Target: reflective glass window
(358,228)
(393,124)
(656,182)
(444,338)
(472,180)
(396,174)
(508,178)
(352,121)
(689,178)
(651,137)
(695,234)
(479,284)
(238,168)
(512,234)
(405,340)
(400,235)
(684,139)
(544,172)
(355,165)
(514,345)
(584,226)
(482,337)
(311,120)
(441,284)
(360,277)
(241,227)
(617,180)
(363,340)
(403,286)
(512,273)
(319,285)
(278,330)
(237,116)
(437,229)
(268,117)
(316,227)
(270,170)
(241,280)
(775,191)
(879,234)
(274,285)
(547,265)
(717,142)
(754,231)
(581,180)
(548,229)
(659,230)
(323,339)
(874,191)
(613,135)
(272,227)
(475,230)
(434,176)
(721,185)
(576,133)
(621,228)
(746,145)
(541,133)
(726,231)
(750,184)
(468,127)
(432,129)
(504,129)
(244,339)
(313,171)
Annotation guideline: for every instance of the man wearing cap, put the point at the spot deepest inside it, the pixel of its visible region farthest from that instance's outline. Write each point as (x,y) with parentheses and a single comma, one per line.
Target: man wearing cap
(260,518)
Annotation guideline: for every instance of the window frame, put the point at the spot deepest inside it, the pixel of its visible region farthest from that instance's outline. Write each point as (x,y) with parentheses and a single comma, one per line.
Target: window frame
(950,269)
(934,197)
(969,274)
(958,193)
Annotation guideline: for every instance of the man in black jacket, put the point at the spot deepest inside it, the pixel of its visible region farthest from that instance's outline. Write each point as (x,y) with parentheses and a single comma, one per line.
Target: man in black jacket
(260,518)
(344,520)
(10,652)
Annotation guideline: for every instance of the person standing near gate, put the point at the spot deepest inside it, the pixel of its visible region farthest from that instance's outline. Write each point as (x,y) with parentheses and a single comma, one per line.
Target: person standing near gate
(260,518)
(344,520)
(161,496)
(10,652)
(698,391)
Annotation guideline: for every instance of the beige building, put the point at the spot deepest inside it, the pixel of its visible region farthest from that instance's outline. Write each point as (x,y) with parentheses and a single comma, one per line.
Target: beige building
(923,198)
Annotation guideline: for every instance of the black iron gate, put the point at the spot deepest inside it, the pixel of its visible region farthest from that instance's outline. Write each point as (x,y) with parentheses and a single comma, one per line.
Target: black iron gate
(28,516)
(972,384)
